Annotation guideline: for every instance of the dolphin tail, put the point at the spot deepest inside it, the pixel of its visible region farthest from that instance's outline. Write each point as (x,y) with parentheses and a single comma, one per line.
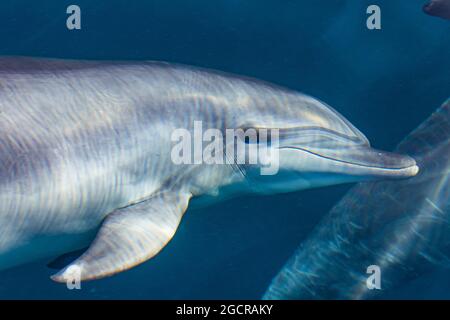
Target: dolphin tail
(128,237)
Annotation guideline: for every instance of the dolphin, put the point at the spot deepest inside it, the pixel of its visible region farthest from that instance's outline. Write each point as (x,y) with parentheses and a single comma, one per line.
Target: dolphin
(86,155)
(403,227)
(438,8)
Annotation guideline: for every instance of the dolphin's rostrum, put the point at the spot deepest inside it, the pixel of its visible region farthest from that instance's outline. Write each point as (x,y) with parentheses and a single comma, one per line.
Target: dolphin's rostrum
(87,145)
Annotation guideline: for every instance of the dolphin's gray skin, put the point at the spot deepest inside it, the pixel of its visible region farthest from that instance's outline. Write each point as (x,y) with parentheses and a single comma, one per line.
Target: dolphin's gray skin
(438,8)
(88,144)
(401,226)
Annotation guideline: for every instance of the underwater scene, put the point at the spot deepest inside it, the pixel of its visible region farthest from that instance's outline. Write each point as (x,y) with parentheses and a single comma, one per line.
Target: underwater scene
(214,150)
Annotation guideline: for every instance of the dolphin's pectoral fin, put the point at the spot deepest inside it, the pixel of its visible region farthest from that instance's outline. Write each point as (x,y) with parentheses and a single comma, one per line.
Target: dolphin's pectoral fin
(129,236)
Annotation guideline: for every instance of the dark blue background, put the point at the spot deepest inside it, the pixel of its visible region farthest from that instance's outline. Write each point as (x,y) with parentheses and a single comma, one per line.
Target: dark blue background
(385,82)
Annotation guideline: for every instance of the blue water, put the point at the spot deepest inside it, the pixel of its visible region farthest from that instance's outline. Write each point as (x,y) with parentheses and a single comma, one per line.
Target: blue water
(385,82)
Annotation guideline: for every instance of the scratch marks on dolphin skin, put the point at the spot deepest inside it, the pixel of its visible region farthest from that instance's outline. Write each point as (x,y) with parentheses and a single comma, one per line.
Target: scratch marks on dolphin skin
(431,203)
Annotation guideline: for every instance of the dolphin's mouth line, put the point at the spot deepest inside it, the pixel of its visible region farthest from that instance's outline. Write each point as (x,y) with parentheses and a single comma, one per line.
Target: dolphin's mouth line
(348,162)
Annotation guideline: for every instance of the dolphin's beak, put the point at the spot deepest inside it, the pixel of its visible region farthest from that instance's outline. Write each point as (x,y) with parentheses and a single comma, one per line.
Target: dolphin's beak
(377,163)
(365,161)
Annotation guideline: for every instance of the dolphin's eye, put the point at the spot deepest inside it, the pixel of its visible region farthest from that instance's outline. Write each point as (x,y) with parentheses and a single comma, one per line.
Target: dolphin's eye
(247,140)
(249,135)
(256,135)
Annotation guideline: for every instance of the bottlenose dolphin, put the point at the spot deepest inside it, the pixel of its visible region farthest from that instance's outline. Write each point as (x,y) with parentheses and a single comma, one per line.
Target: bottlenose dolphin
(438,8)
(86,147)
(403,227)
